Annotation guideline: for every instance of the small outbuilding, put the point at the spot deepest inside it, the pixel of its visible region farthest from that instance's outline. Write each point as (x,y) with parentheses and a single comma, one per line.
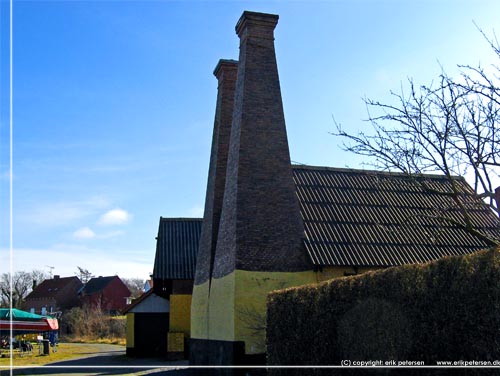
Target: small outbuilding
(147,325)
(159,321)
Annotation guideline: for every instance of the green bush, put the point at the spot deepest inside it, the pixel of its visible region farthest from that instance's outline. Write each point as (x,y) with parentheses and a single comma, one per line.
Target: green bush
(444,310)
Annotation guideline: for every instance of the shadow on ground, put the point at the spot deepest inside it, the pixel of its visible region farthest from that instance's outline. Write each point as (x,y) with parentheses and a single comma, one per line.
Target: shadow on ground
(108,364)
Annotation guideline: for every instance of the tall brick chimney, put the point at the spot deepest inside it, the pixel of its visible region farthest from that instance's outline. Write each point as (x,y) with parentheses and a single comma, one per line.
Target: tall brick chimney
(261,228)
(260,243)
(225,72)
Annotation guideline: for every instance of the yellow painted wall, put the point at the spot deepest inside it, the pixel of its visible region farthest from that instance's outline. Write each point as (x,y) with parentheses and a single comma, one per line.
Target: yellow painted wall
(338,271)
(180,313)
(333,272)
(237,307)
(175,342)
(130,330)
(237,303)
(251,298)
(221,308)
(199,311)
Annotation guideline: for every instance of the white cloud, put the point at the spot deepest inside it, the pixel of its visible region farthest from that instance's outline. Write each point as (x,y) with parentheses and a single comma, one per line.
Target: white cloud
(84,233)
(115,217)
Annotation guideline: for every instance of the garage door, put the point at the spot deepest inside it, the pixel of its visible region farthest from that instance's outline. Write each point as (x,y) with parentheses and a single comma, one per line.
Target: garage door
(151,334)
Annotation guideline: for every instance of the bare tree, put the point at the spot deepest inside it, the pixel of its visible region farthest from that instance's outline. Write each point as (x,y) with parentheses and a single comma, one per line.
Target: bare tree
(135,285)
(22,285)
(84,274)
(451,127)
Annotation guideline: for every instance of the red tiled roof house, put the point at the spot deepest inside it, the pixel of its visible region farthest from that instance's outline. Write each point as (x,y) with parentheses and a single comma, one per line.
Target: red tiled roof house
(54,295)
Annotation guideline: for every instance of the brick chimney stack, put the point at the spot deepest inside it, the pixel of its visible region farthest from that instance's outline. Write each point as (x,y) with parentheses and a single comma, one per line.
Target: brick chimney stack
(225,72)
(261,228)
(260,239)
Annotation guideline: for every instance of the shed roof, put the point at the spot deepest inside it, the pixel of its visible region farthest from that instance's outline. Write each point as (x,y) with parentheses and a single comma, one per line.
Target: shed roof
(372,218)
(176,248)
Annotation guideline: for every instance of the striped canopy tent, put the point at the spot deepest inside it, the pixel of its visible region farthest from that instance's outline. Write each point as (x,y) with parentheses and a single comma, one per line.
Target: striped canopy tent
(25,322)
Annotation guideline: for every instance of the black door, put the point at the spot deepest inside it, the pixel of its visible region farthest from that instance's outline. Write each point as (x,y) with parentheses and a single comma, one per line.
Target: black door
(151,332)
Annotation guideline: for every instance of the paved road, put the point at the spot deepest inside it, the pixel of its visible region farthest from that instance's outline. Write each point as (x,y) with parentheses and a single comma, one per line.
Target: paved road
(111,360)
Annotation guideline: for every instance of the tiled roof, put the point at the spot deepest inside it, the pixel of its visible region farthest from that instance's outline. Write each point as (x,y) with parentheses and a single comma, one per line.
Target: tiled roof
(96,284)
(370,218)
(52,287)
(176,248)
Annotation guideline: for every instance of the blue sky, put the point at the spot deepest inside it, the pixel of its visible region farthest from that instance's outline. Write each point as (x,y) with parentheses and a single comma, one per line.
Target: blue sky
(114,104)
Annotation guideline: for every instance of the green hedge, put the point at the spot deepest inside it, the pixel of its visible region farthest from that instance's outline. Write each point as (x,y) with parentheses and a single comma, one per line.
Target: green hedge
(445,310)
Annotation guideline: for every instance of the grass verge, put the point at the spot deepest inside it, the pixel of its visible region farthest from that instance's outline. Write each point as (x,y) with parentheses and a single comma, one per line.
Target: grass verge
(65,351)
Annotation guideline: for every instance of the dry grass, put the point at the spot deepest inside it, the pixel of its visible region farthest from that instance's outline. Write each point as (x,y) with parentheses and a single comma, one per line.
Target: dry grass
(90,339)
(65,351)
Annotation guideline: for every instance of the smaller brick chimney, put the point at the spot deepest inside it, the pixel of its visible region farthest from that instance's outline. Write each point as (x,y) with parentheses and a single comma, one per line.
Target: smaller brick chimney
(225,72)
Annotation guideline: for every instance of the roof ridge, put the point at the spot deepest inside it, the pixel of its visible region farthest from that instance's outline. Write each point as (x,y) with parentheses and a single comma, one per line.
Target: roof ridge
(101,277)
(179,219)
(369,172)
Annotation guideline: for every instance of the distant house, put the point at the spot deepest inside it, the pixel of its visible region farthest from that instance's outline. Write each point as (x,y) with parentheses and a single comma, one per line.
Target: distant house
(108,293)
(158,323)
(148,285)
(54,295)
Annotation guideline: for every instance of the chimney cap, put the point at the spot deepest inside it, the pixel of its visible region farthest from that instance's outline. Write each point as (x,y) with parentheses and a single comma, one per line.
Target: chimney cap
(225,63)
(264,20)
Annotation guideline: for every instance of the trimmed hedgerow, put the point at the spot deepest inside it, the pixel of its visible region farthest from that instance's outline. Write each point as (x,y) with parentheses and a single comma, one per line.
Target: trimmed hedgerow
(447,310)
